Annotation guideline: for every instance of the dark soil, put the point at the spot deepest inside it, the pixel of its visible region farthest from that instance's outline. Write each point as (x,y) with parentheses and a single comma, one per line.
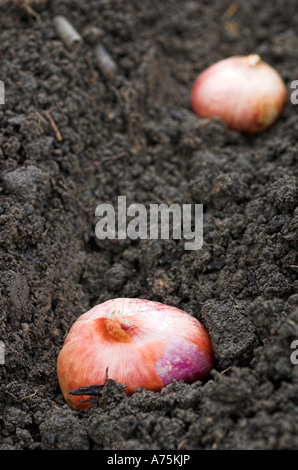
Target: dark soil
(135,135)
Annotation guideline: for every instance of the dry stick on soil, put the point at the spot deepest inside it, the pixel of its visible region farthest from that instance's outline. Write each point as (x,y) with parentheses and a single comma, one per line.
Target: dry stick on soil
(53,124)
(67,32)
(112,158)
(26,5)
(181,444)
(233,8)
(158,294)
(18,400)
(226,370)
(73,197)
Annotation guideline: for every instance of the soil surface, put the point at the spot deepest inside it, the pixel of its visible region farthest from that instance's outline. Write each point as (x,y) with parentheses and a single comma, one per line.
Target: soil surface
(72,139)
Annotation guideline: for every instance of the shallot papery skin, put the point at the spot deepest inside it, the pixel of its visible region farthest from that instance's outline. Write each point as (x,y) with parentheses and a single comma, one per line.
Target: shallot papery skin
(142,343)
(243,91)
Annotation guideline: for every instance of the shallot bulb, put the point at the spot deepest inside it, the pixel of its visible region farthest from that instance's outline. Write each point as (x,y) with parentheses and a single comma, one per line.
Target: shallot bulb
(244,92)
(141,343)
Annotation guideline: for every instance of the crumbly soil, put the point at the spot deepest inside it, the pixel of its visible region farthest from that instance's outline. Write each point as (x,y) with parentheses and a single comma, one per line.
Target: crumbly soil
(72,139)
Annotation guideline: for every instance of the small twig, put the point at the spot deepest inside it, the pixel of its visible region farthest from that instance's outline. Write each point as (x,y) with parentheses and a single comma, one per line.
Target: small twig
(67,32)
(92,70)
(25,4)
(54,126)
(226,370)
(181,444)
(232,298)
(12,395)
(73,197)
(28,396)
(233,8)
(158,294)
(113,157)
(18,400)
(30,10)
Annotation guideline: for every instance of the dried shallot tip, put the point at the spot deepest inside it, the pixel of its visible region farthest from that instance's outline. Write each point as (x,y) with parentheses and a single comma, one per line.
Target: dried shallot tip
(67,32)
(243,91)
(104,61)
(91,390)
(142,344)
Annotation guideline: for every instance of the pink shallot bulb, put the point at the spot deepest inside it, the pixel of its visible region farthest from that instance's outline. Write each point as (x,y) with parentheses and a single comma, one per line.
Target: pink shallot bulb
(142,343)
(244,92)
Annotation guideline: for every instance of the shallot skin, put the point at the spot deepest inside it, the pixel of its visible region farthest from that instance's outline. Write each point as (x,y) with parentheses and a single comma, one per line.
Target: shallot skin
(142,343)
(243,91)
